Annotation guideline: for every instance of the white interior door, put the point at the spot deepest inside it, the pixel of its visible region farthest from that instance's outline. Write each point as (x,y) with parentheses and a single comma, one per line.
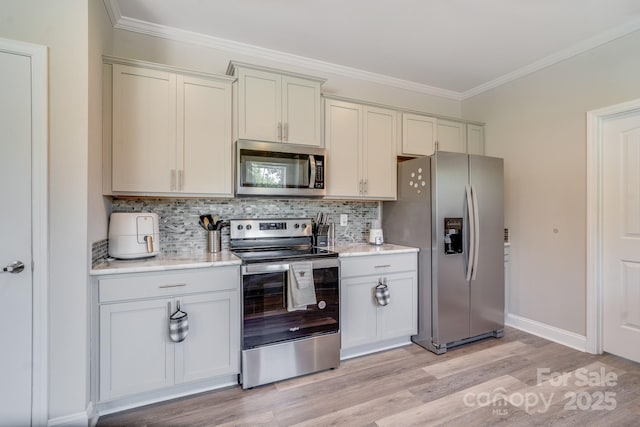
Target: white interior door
(15,232)
(621,219)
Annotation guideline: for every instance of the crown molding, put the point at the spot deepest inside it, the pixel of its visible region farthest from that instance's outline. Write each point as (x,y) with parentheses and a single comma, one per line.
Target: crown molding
(550,60)
(175,34)
(113,10)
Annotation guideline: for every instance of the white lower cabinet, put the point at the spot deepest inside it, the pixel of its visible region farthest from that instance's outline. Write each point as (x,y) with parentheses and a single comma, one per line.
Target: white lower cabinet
(135,352)
(364,322)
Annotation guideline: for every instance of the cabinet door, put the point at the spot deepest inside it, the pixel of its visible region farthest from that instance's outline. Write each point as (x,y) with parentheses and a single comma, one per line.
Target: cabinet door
(204,136)
(301,111)
(136,354)
(452,136)
(379,153)
(418,135)
(475,139)
(343,142)
(358,315)
(212,347)
(259,105)
(399,317)
(144,133)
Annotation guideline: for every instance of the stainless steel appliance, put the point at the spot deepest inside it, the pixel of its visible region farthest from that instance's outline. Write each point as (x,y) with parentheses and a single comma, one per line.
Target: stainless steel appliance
(450,205)
(279,340)
(271,169)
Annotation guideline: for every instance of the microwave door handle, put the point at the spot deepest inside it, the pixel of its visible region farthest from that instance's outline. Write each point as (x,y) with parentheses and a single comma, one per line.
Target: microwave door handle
(312,171)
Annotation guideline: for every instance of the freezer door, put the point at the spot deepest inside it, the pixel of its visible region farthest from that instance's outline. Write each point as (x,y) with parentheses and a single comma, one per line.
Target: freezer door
(407,221)
(450,289)
(487,289)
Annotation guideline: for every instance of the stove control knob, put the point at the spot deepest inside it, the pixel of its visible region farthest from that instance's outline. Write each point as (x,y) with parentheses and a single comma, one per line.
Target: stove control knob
(304,226)
(297,225)
(240,227)
(248,226)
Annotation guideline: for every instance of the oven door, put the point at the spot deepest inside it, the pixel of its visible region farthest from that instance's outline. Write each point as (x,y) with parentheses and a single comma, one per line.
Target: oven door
(266,319)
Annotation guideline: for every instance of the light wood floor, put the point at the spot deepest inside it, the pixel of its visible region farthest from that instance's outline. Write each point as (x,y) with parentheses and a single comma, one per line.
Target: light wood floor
(491,382)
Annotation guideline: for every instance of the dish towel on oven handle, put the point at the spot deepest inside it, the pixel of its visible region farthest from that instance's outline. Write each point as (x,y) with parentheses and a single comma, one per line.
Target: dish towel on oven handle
(301,290)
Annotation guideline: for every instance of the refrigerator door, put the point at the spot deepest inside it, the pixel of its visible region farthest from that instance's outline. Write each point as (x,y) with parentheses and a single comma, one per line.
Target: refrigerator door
(451,307)
(487,289)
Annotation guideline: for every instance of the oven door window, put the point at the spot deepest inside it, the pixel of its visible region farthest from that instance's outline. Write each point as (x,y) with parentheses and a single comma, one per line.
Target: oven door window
(273,170)
(266,318)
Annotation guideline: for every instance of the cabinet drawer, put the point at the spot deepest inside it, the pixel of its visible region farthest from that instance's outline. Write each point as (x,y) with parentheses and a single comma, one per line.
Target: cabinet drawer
(377,264)
(168,283)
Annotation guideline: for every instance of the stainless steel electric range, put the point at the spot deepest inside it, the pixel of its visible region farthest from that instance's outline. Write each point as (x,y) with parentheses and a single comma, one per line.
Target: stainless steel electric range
(279,338)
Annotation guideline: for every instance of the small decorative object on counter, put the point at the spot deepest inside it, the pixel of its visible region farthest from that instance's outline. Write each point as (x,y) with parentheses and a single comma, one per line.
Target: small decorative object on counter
(178,325)
(383,296)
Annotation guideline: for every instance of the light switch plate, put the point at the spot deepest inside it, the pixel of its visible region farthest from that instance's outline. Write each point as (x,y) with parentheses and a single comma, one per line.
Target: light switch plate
(343,220)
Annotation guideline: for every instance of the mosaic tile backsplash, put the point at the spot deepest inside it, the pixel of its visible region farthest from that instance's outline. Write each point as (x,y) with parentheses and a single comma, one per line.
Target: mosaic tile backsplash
(180,232)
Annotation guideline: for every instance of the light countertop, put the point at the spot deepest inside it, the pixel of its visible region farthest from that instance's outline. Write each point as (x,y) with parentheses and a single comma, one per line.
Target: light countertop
(364,249)
(166,262)
(225,257)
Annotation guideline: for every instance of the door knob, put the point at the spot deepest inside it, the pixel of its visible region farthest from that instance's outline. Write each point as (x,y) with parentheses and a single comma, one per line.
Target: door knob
(15,267)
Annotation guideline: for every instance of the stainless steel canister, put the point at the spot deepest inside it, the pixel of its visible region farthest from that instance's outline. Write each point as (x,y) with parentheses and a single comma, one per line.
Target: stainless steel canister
(213,241)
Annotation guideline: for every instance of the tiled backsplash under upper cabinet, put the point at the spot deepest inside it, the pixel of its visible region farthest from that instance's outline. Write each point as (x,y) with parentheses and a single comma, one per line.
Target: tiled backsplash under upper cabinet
(181,233)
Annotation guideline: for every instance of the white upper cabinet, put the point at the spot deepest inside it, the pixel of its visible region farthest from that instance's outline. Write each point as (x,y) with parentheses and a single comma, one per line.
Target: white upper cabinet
(361,151)
(277,106)
(475,139)
(144,130)
(204,147)
(451,136)
(421,134)
(418,134)
(171,133)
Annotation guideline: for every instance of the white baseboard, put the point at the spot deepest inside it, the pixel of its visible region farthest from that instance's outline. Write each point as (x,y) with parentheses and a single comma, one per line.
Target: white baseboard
(374,347)
(73,420)
(551,333)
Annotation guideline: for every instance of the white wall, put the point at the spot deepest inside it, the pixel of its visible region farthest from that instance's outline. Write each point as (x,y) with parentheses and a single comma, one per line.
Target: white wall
(62,26)
(100,41)
(128,44)
(538,124)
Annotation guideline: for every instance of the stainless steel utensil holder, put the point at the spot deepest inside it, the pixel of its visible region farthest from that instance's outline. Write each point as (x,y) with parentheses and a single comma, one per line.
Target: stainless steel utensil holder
(213,241)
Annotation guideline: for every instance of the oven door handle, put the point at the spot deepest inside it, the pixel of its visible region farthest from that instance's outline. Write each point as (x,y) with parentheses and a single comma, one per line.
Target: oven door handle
(263,268)
(280,267)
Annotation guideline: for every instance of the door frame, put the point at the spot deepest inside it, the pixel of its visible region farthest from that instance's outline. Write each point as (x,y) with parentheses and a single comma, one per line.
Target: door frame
(596,120)
(39,221)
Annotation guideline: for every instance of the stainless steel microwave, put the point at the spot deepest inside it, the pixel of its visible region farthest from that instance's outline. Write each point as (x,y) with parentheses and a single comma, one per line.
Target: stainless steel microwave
(273,169)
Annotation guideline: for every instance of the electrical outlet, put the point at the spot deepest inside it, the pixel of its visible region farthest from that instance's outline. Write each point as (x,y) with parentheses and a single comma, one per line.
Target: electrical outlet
(343,220)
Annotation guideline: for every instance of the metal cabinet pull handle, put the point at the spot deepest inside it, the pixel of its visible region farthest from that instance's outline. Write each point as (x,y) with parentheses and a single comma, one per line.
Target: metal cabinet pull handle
(173,179)
(382,266)
(279,131)
(15,267)
(285,132)
(177,285)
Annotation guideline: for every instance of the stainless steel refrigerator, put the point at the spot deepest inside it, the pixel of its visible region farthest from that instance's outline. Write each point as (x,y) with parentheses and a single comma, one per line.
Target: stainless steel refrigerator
(450,205)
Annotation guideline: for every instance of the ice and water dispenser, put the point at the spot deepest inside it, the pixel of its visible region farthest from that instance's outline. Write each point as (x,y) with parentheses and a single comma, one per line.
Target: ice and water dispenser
(452,236)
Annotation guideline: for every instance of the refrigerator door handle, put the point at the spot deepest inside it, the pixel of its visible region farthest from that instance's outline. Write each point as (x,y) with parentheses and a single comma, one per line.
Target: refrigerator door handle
(472,232)
(476,220)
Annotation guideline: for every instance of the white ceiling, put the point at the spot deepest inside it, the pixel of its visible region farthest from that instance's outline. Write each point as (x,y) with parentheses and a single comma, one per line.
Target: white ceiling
(453,48)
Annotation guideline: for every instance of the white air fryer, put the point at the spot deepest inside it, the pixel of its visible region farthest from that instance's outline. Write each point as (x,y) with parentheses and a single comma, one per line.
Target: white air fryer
(134,235)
